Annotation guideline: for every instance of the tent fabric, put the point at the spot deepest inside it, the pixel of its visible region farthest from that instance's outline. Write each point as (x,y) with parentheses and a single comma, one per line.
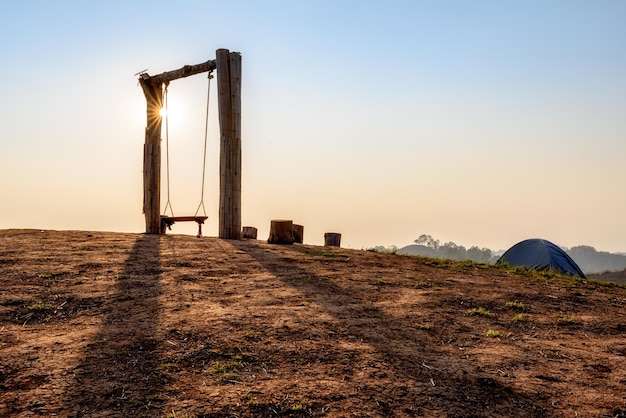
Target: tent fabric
(540,254)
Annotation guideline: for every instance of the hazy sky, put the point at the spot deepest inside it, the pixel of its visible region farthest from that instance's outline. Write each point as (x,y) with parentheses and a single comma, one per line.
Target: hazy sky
(478,122)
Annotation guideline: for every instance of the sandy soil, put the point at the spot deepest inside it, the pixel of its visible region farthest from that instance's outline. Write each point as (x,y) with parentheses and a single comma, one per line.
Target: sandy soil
(118,325)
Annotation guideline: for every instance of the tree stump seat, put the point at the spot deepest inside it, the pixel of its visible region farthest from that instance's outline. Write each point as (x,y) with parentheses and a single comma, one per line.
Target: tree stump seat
(281,232)
(332,239)
(249,232)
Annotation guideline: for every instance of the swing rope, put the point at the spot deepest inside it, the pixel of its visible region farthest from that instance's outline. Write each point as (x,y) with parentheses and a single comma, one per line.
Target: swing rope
(167,151)
(206,135)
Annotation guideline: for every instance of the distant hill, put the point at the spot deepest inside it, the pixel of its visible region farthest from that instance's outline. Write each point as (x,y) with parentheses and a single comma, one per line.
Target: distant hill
(416,249)
(592,261)
(450,251)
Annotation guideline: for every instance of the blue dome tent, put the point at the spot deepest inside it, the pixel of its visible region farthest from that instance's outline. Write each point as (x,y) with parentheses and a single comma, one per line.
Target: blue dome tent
(540,254)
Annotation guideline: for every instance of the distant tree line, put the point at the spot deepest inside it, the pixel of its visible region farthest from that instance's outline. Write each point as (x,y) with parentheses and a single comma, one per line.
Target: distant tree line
(618,277)
(587,258)
(452,251)
(592,261)
(427,246)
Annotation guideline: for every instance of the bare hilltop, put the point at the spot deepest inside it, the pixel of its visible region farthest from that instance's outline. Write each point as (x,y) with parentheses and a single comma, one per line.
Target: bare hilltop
(98,324)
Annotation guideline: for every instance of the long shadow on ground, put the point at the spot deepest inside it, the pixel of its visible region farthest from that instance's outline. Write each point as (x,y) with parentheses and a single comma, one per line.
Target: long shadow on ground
(467,389)
(119,375)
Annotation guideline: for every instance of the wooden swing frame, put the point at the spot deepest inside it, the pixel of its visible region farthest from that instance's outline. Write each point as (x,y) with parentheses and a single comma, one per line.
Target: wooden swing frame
(228,66)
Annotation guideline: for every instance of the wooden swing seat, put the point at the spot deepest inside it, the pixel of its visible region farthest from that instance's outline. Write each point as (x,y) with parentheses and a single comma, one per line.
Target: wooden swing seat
(168,221)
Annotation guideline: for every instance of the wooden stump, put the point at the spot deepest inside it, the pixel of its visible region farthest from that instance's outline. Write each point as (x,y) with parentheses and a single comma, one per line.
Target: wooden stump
(332,239)
(281,232)
(249,232)
(298,233)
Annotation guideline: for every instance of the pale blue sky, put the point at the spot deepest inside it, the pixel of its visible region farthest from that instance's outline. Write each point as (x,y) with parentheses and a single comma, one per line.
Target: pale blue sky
(478,122)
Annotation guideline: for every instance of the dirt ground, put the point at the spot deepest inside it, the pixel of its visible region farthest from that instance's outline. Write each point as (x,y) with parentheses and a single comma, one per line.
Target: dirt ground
(100,324)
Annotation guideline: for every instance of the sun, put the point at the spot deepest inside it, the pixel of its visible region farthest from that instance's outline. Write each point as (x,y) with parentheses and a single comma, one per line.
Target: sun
(171,114)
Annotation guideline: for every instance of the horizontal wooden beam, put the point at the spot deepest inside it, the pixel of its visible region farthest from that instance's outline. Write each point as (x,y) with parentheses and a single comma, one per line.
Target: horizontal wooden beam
(185,71)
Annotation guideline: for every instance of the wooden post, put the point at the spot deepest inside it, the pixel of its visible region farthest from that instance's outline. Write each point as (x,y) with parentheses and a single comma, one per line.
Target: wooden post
(332,239)
(298,233)
(229,103)
(281,232)
(249,232)
(152,155)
